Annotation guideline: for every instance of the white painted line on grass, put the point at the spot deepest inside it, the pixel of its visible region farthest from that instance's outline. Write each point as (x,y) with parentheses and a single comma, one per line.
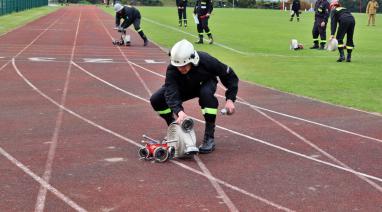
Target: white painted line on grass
(247,136)
(135,143)
(187,33)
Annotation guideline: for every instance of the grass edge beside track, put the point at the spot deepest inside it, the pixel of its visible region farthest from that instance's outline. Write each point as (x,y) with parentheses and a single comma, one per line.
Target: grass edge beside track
(352,85)
(13,21)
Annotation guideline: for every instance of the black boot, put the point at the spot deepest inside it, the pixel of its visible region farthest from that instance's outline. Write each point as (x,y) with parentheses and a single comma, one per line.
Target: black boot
(210,38)
(169,118)
(180,23)
(185,23)
(342,55)
(144,38)
(208,144)
(200,41)
(348,57)
(315,45)
(322,46)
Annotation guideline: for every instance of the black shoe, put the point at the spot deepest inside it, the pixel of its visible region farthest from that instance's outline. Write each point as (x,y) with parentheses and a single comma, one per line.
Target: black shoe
(207,146)
(340,59)
(211,40)
(145,42)
(199,42)
(348,59)
(314,47)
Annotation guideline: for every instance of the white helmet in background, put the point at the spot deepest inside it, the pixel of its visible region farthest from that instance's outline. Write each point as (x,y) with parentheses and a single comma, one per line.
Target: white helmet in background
(118,7)
(183,53)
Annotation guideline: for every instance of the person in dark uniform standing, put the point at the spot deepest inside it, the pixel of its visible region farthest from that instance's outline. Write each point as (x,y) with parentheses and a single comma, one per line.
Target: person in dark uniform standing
(182,9)
(295,10)
(346,23)
(194,74)
(203,10)
(130,15)
(321,16)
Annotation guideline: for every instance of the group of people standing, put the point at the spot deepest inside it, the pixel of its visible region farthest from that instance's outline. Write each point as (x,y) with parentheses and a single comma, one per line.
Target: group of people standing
(193,74)
(341,17)
(202,12)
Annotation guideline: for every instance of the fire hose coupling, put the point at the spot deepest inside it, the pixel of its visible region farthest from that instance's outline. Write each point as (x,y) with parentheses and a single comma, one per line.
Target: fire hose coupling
(187,124)
(224,111)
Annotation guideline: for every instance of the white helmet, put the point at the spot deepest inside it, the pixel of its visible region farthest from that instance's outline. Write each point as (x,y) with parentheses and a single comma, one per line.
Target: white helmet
(183,53)
(118,7)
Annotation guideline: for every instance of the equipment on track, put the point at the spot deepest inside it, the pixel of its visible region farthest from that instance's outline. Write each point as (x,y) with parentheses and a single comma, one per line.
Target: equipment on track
(124,40)
(180,142)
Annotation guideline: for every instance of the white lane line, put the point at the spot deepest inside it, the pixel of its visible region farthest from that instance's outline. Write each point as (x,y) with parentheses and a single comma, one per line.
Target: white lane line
(192,35)
(217,187)
(311,122)
(34,40)
(41,197)
(242,191)
(244,135)
(279,113)
(379,188)
(219,190)
(43,183)
(126,59)
(334,159)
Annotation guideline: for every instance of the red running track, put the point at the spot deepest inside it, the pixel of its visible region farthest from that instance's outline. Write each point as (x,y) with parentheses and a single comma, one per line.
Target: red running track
(73,109)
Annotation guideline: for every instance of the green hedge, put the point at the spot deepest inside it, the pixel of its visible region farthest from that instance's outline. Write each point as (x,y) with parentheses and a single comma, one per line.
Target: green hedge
(10,6)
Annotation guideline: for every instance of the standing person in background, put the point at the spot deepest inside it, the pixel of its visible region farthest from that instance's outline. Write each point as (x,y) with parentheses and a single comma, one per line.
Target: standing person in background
(295,10)
(182,9)
(371,10)
(130,15)
(346,23)
(321,16)
(203,10)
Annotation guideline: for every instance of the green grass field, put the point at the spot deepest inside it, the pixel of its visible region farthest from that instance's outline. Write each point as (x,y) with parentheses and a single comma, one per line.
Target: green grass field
(256,44)
(13,20)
